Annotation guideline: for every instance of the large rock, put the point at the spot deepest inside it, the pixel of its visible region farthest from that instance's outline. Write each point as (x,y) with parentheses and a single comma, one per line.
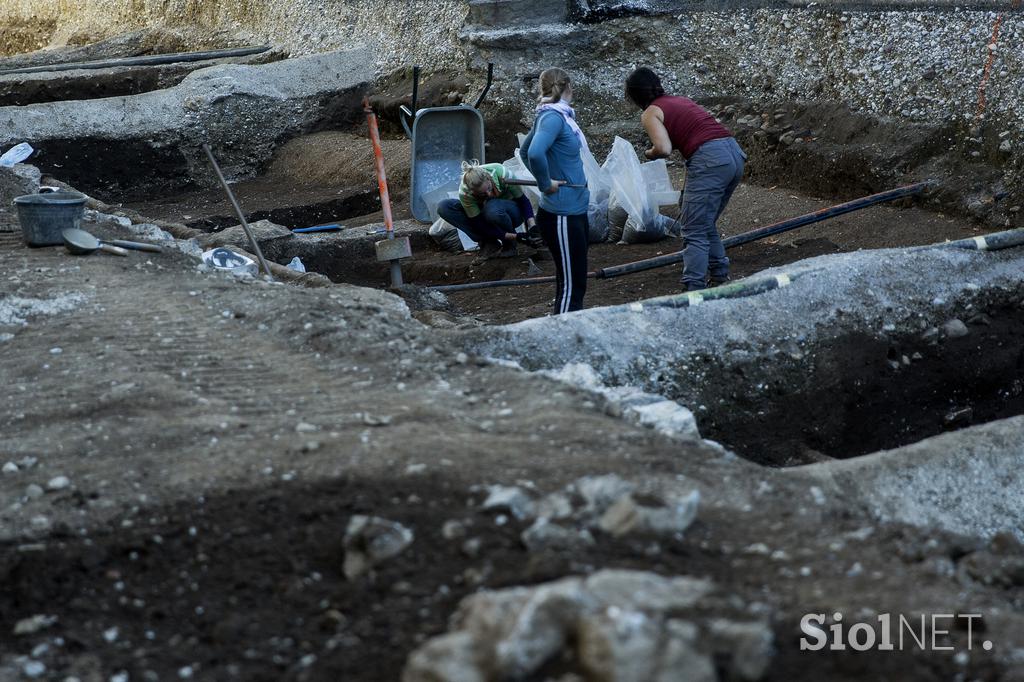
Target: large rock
(263,231)
(16,181)
(624,625)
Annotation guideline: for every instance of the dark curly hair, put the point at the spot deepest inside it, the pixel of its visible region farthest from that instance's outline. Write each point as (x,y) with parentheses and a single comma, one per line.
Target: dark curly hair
(643,87)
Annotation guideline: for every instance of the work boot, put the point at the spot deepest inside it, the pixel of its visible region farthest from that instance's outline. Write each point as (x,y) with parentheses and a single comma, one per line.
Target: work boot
(488,250)
(714,281)
(508,251)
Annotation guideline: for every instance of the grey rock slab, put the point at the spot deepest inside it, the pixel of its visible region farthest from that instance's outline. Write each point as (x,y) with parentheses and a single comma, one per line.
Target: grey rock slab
(242,111)
(967,482)
(262,230)
(18,180)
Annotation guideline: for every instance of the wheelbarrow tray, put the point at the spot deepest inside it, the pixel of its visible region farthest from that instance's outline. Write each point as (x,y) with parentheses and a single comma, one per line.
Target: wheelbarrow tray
(442,138)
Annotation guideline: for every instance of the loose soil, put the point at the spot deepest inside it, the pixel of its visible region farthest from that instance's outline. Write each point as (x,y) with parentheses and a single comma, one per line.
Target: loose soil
(218,435)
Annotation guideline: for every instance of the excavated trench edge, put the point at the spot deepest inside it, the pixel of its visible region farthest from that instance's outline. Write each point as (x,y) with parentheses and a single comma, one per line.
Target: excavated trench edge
(856,394)
(838,397)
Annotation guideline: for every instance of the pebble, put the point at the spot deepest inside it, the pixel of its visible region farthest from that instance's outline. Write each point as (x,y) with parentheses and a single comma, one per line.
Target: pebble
(955,328)
(32,491)
(10,468)
(33,624)
(33,669)
(452,530)
(58,483)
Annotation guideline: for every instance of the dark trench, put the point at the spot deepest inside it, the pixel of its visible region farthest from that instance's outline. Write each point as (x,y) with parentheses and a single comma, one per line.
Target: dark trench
(858,393)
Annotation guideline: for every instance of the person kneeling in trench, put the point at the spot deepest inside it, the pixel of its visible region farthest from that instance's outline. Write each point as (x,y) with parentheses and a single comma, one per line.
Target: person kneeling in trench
(488,209)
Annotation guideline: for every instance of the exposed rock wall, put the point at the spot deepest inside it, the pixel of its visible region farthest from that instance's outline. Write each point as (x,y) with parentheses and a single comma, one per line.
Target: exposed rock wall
(900,72)
(397,31)
(900,66)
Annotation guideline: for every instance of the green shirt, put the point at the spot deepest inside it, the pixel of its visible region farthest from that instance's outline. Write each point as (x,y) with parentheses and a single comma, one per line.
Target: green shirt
(498,174)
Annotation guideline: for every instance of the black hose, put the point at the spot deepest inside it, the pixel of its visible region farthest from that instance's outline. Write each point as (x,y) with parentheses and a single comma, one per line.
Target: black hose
(769,230)
(145,60)
(752,235)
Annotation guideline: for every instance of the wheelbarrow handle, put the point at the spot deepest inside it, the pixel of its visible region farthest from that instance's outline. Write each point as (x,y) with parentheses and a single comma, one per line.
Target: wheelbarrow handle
(490,78)
(407,114)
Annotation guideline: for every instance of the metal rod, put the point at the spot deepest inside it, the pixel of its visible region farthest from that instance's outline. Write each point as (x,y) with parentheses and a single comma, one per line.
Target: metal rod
(382,185)
(143,60)
(533,183)
(498,283)
(769,230)
(752,235)
(238,211)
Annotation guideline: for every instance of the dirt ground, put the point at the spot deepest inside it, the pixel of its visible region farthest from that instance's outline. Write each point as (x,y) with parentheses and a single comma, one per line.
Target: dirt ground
(217,436)
(328,178)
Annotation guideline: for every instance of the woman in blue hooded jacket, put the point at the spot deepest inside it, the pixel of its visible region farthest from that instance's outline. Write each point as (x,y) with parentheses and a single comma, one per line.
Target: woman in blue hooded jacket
(552,153)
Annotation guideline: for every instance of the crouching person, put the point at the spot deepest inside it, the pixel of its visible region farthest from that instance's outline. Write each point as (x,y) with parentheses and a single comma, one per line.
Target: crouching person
(488,209)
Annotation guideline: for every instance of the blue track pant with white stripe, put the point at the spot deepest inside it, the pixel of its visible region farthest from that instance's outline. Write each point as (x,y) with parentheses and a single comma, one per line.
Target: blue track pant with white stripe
(566,236)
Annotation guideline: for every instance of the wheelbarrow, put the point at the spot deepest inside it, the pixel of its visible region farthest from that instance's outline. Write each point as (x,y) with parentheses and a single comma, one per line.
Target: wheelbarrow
(442,138)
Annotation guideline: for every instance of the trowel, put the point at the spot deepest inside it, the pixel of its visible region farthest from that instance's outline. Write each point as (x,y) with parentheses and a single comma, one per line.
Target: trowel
(81,243)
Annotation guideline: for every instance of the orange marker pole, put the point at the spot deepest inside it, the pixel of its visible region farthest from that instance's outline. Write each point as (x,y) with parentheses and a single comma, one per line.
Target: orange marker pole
(389,250)
(382,178)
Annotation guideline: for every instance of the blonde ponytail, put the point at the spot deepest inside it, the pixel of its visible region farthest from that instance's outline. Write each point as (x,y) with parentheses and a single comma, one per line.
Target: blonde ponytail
(553,83)
(473,175)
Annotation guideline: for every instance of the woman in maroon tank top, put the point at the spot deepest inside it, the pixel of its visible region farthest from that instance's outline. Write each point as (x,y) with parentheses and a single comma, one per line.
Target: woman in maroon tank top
(714,167)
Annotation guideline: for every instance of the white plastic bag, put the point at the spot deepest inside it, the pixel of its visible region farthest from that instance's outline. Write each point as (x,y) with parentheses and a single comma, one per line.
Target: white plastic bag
(16,154)
(658,184)
(445,235)
(623,168)
(638,189)
(598,181)
(597,222)
(223,258)
(518,170)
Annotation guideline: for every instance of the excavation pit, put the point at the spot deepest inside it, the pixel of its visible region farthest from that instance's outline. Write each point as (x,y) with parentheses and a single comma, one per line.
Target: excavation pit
(857,394)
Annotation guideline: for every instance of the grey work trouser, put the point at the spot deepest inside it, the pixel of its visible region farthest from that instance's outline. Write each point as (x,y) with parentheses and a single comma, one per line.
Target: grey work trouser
(712,174)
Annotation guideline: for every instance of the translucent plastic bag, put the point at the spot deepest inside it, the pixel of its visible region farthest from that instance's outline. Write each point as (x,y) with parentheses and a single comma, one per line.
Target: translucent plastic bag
(623,169)
(638,190)
(518,170)
(445,235)
(658,184)
(597,221)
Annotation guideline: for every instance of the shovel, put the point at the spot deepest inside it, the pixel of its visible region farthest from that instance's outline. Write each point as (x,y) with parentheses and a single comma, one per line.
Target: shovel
(81,243)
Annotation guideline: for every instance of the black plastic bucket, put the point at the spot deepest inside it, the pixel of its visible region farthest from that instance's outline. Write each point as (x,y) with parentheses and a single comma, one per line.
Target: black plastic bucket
(43,216)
